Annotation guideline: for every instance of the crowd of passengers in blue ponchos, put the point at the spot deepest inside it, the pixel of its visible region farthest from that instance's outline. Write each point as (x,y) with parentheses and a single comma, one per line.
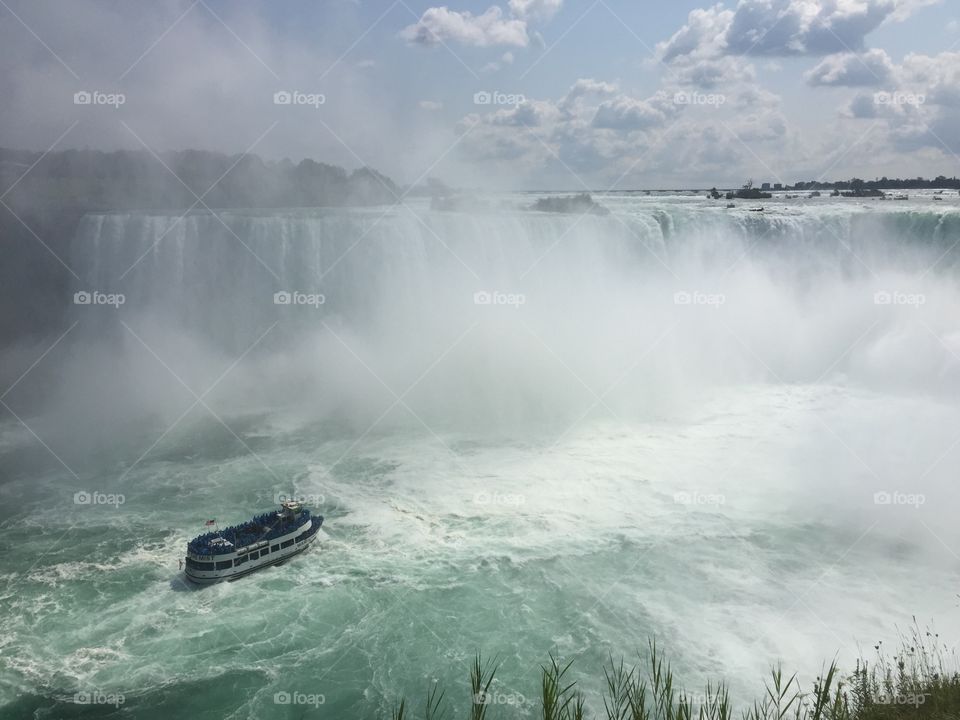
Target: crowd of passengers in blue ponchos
(262,527)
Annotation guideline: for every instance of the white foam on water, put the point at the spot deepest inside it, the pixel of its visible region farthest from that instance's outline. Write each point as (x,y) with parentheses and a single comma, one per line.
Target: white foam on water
(600,465)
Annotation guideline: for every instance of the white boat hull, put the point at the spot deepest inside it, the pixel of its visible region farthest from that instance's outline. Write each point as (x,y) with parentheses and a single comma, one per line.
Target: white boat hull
(234,565)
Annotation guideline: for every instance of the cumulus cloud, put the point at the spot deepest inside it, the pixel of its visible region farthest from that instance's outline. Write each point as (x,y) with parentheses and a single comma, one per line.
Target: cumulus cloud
(585,87)
(709,74)
(934,123)
(597,126)
(917,103)
(702,36)
(872,68)
(535,9)
(920,105)
(627,113)
(605,134)
(937,76)
(905,8)
(804,27)
(440,25)
(527,114)
(923,84)
(863,107)
(780,28)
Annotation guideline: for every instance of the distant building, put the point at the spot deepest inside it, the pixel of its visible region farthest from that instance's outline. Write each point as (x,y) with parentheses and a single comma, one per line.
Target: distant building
(765,186)
(778,186)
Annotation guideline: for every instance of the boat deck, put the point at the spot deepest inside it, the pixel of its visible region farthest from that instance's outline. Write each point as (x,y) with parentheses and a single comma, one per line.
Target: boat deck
(268,526)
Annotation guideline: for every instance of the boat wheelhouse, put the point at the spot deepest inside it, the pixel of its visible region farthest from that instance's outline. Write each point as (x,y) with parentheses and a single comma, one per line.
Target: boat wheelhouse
(267,539)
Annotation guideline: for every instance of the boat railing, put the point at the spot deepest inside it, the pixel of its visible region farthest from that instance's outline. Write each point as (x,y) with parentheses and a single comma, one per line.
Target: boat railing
(272,525)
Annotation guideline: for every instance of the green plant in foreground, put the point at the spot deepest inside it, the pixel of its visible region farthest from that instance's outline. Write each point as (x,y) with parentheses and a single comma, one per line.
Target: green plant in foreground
(918,683)
(432,710)
(559,701)
(617,701)
(481,677)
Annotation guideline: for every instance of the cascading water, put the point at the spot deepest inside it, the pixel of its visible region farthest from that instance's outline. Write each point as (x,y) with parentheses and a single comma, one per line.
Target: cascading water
(529,432)
(791,289)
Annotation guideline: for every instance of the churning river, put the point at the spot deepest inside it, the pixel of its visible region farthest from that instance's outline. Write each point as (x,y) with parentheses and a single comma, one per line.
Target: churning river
(735,432)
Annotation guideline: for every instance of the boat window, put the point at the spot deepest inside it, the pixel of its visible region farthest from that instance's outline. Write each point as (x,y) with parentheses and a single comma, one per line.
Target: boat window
(199,565)
(241,560)
(254,556)
(225,565)
(274,548)
(265,551)
(286,544)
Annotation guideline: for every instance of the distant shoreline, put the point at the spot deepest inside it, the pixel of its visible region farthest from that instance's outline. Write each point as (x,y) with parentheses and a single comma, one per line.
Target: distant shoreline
(951,184)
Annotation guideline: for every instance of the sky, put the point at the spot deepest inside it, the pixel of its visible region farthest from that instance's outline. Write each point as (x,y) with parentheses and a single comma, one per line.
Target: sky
(499,94)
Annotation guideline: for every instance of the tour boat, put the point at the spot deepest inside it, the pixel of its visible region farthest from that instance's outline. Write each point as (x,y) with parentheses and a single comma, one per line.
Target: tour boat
(267,539)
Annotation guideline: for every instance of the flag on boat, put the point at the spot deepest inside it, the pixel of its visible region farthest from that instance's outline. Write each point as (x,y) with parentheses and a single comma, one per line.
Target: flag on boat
(210,522)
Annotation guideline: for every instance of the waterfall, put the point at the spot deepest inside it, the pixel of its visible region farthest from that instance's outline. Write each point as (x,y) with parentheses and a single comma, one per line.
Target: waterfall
(667,296)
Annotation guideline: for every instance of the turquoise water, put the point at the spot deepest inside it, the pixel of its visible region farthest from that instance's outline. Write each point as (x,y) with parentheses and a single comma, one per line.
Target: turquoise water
(558,482)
